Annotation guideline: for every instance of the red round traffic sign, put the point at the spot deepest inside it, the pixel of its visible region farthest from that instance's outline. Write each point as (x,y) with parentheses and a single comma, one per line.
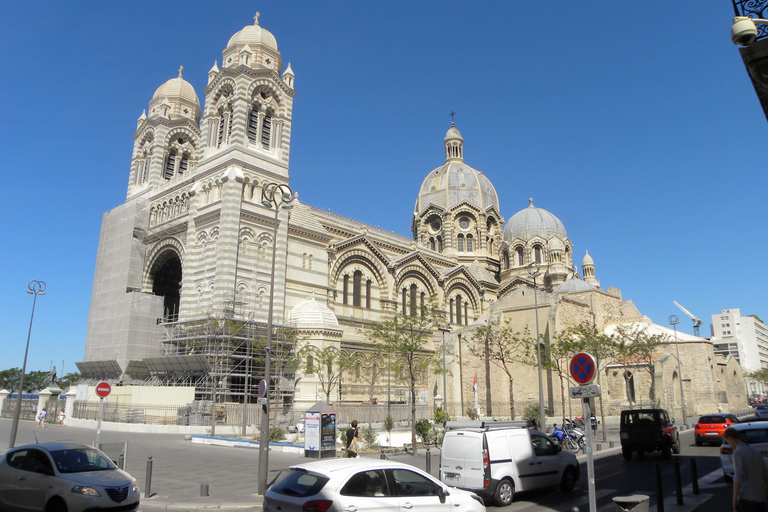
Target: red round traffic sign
(262,387)
(103,389)
(583,368)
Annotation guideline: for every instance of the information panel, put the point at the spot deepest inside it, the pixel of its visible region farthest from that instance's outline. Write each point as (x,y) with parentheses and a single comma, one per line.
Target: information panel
(329,431)
(312,432)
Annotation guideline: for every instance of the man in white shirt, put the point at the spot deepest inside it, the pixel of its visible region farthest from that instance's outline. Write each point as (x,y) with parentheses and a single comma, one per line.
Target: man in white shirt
(748,467)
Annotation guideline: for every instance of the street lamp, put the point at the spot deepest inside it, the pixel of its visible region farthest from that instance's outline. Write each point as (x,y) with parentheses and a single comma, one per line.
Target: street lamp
(34,288)
(533,271)
(281,196)
(673,321)
(445,329)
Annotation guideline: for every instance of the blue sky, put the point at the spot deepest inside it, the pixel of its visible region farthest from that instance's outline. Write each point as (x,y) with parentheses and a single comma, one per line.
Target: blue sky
(638,127)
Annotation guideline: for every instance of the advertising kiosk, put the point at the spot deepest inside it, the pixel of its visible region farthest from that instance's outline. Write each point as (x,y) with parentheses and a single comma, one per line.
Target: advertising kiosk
(320,431)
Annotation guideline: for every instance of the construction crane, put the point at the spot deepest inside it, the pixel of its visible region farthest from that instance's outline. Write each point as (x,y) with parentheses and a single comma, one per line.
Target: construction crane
(696,320)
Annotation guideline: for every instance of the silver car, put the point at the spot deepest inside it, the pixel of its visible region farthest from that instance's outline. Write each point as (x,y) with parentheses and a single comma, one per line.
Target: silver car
(64,477)
(337,485)
(756,434)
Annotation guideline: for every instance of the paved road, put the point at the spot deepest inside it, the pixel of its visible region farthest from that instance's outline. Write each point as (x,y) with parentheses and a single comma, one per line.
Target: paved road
(180,468)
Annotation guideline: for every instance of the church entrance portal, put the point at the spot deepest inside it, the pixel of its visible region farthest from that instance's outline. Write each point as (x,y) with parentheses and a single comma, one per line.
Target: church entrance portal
(167,283)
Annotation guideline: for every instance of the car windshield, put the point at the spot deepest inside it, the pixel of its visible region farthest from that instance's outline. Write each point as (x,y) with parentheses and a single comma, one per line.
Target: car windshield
(81,460)
(712,419)
(638,418)
(299,483)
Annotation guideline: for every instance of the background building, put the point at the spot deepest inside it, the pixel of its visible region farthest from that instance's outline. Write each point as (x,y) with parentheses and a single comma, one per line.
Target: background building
(743,337)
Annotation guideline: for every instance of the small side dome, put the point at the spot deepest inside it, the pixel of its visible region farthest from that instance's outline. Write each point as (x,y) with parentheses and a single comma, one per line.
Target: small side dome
(574,286)
(587,260)
(312,314)
(177,88)
(531,222)
(175,99)
(453,134)
(253,35)
(254,47)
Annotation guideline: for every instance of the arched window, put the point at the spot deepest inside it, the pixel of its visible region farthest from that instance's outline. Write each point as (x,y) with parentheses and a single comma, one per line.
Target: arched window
(432,243)
(310,364)
(470,244)
(519,255)
(309,262)
(405,302)
(466,313)
(374,373)
(629,377)
(491,243)
(538,254)
(413,300)
(224,128)
(505,259)
(458,310)
(460,242)
(266,130)
(368,294)
(345,295)
(357,282)
(170,164)
(422,307)
(253,124)
(450,312)
(184,163)
(439,244)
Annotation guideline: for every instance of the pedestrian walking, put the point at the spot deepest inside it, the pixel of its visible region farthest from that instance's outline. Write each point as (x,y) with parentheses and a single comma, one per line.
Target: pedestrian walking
(62,417)
(352,436)
(719,407)
(41,418)
(748,467)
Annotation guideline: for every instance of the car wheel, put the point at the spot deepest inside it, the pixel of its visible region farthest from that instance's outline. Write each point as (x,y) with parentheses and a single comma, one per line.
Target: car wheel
(505,491)
(626,452)
(56,505)
(676,447)
(699,442)
(569,480)
(666,452)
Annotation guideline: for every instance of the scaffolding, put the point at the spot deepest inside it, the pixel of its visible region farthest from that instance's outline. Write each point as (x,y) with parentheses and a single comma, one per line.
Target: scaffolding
(232,348)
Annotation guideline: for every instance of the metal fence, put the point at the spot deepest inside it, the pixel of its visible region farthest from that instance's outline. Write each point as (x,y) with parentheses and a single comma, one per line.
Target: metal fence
(28,409)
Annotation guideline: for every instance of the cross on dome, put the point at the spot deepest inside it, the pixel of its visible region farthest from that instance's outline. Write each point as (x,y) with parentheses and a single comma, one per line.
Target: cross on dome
(256,18)
(181,68)
(452,114)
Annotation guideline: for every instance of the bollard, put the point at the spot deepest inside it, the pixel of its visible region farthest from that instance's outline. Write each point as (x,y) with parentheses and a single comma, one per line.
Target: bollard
(678,483)
(694,477)
(203,490)
(611,444)
(121,460)
(659,490)
(429,462)
(148,485)
(598,447)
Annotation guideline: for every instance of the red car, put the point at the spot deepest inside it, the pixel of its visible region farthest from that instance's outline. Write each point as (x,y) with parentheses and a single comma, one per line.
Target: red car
(710,428)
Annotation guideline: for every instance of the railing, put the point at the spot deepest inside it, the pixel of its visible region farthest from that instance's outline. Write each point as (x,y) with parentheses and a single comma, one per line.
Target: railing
(753,9)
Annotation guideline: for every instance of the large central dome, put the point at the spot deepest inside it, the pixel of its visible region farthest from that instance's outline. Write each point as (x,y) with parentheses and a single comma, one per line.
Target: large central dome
(455,182)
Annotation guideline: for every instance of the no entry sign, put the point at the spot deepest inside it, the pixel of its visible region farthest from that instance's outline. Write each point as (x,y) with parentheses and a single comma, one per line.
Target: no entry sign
(103,389)
(583,368)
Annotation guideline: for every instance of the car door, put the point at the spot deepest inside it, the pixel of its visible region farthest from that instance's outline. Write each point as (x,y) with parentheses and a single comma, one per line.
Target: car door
(547,461)
(368,491)
(30,472)
(416,492)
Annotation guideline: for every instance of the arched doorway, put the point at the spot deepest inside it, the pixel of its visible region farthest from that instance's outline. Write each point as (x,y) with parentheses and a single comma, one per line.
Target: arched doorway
(166,282)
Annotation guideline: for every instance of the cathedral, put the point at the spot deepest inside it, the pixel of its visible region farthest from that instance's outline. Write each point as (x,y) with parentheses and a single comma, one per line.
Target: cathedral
(194,240)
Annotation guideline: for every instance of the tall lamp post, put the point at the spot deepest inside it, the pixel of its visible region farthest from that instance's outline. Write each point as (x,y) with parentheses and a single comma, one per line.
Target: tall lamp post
(673,321)
(533,271)
(34,288)
(280,196)
(444,329)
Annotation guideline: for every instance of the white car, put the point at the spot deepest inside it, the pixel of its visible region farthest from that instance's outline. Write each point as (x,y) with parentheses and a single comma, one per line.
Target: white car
(337,485)
(756,434)
(762,410)
(64,477)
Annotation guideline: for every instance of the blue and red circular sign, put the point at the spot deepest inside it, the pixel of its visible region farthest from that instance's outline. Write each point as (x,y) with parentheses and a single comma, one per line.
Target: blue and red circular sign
(583,368)
(262,387)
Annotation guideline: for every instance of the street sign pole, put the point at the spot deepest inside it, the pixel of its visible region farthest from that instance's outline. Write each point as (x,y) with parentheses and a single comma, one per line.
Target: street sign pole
(98,425)
(590,461)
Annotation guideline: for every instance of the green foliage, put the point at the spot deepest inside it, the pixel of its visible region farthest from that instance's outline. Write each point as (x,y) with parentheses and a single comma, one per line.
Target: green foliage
(441,416)
(276,434)
(472,414)
(328,364)
(423,428)
(531,412)
(389,424)
(370,438)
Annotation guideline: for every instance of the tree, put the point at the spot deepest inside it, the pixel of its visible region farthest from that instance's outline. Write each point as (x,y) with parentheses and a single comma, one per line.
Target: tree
(328,363)
(603,348)
(410,339)
(9,379)
(503,346)
(637,349)
(68,380)
(558,360)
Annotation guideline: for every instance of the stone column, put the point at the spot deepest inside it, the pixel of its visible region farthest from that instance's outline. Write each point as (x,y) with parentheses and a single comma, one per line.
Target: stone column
(3,395)
(70,404)
(229,233)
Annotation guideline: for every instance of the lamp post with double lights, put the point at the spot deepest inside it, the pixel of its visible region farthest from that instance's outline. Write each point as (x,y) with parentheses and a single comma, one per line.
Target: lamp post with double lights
(34,288)
(534,271)
(673,321)
(280,196)
(444,329)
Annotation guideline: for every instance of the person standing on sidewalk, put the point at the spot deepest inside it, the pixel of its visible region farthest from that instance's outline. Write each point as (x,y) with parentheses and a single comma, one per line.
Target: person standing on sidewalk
(62,417)
(41,418)
(352,436)
(748,467)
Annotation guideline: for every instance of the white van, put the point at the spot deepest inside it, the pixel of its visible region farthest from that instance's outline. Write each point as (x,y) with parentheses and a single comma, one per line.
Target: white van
(497,458)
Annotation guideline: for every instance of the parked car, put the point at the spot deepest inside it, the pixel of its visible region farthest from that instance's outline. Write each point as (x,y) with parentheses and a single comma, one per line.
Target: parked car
(64,477)
(497,461)
(756,434)
(762,410)
(647,430)
(336,485)
(710,427)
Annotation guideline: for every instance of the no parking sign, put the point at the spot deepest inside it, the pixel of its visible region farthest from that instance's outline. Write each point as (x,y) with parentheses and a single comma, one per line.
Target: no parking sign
(583,368)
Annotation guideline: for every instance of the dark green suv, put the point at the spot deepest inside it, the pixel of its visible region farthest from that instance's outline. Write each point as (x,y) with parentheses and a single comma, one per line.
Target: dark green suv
(648,430)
